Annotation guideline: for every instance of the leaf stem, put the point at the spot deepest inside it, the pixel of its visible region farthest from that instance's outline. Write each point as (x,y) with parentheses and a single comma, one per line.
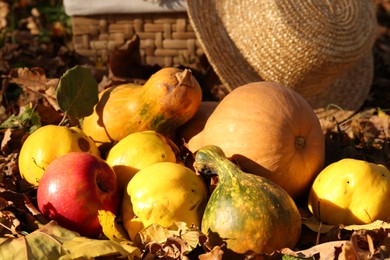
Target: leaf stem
(63,119)
(12,231)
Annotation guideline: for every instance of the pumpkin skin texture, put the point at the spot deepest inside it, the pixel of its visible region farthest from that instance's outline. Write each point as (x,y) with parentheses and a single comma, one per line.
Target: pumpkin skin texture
(164,193)
(197,122)
(46,144)
(351,191)
(268,130)
(168,99)
(250,213)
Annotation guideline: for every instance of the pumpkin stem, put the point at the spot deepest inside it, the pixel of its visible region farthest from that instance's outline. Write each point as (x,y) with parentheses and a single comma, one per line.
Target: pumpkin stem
(184,78)
(211,160)
(300,142)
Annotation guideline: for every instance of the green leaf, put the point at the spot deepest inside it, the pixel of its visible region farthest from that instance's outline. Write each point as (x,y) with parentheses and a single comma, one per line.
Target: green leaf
(290,257)
(29,119)
(77,92)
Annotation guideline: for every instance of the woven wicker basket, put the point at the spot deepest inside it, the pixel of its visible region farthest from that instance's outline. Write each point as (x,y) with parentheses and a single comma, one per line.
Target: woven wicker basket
(166,39)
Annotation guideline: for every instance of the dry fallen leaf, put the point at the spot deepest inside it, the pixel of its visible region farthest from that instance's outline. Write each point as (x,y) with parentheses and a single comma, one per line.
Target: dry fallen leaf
(175,242)
(4,11)
(9,223)
(52,241)
(111,228)
(328,250)
(6,139)
(34,80)
(370,126)
(378,224)
(20,205)
(315,225)
(216,253)
(80,248)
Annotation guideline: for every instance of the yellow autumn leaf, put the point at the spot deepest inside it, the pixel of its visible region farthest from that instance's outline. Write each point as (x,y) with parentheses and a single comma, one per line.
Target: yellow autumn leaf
(44,243)
(80,248)
(115,232)
(111,229)
(382,114)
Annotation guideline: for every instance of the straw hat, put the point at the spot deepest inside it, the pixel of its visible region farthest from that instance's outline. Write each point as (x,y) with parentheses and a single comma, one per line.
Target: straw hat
(320,48)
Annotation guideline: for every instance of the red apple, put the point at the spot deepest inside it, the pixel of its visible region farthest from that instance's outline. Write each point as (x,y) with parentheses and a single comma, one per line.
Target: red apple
(74,187)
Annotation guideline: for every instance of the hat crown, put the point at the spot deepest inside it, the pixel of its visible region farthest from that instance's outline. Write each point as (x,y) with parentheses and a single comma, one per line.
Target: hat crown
(303,44)
(314,33)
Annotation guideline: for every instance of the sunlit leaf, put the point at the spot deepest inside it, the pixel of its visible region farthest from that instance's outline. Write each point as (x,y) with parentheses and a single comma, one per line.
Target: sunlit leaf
(52,241)
(153,232)
(192,235)
(176,241)
(12,248)
(39,244)
(111,229)
(327,250)
(378,224)
(80,247)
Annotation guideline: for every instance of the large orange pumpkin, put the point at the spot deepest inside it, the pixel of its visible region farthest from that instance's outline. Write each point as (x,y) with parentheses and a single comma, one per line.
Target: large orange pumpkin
(269,130)
(197,122)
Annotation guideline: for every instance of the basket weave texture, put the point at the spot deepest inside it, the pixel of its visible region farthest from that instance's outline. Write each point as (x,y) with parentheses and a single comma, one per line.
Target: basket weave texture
(166,39)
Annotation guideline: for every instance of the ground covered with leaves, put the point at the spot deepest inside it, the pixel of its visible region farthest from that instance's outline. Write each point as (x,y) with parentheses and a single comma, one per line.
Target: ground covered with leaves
(36,50)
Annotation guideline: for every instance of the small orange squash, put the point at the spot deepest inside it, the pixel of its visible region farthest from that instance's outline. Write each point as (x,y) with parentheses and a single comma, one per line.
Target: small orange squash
(168,99)
(268,130)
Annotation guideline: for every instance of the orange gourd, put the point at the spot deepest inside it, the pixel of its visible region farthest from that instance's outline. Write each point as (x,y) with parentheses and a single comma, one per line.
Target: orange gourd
(168,99)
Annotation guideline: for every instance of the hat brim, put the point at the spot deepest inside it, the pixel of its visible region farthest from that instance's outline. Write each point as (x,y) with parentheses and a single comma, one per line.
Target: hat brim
(347,95)
(222,53)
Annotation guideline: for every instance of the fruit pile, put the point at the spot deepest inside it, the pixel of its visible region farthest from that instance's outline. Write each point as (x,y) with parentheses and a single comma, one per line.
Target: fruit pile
(156,154)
